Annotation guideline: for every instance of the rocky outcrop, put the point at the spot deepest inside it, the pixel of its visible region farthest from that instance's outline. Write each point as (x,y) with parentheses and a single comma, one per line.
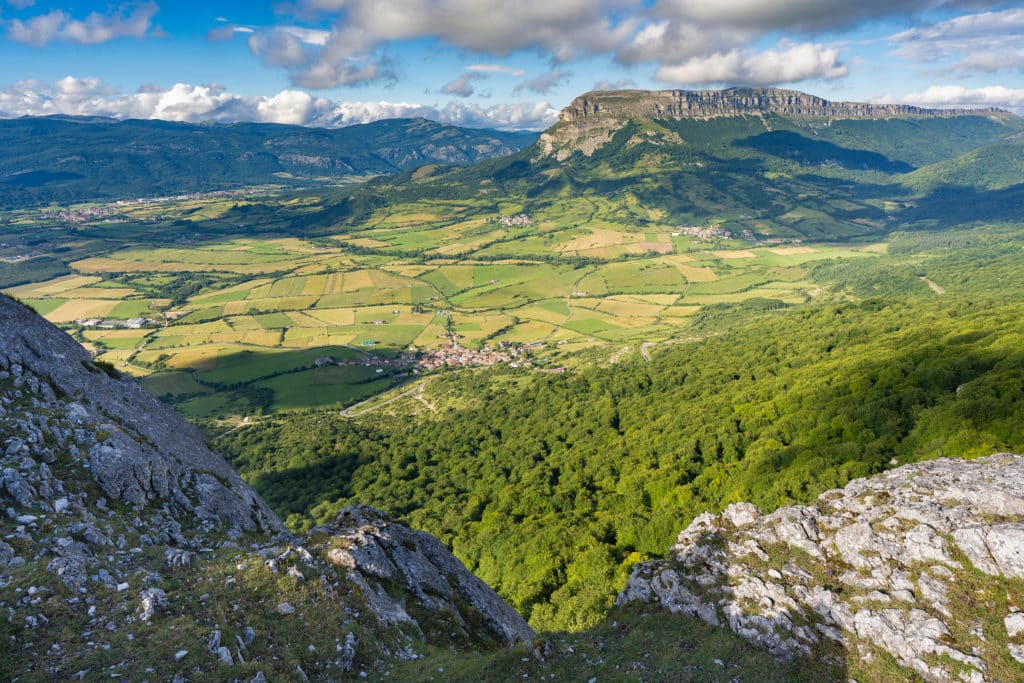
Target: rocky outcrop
(591,119)
(378,554)
(116,521)
(137,450)
(912,562)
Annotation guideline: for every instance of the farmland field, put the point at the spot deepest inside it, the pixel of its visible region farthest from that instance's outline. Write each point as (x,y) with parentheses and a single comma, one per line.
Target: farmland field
(248,314)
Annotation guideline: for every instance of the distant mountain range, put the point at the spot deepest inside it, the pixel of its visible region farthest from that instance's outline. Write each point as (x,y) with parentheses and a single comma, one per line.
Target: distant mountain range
(771,161)
(66,159)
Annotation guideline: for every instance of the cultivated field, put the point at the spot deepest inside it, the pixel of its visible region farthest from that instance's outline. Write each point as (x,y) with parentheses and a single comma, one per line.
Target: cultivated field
(248,315)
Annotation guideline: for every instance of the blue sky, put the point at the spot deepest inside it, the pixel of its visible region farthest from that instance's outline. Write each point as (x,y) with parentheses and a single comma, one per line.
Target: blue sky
(494,63)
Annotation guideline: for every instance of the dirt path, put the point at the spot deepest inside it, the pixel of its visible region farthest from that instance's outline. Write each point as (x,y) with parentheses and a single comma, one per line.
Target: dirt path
(645,350)
(935,287)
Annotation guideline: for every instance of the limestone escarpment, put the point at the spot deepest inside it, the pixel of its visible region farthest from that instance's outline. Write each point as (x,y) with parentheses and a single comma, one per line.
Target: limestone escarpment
(669,104)
(925,563)
(591,119)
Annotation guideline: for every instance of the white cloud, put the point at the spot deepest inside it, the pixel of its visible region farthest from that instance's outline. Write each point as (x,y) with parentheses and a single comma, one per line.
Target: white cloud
(21,4)
(685,40)
(544,83)
(788,64)
(288,106)
(128,21)
(353,53)
(798,15)
(287,46)
(620,84)
(959,96)
(989,62)
(198,103)
(227,32)
(463,85)
(495,69)
(984,42)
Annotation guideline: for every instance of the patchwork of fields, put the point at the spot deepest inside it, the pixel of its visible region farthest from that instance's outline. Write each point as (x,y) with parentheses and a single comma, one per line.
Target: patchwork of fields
(229,313)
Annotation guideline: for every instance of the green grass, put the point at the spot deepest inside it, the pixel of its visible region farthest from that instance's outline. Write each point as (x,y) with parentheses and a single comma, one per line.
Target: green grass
(44,306)
(131,309)
(273,321)
(329,386)
(174,383)
(246,366)
(629,645)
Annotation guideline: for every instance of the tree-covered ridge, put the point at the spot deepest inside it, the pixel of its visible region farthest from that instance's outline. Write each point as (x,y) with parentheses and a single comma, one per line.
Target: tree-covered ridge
(551,487)
(67,160)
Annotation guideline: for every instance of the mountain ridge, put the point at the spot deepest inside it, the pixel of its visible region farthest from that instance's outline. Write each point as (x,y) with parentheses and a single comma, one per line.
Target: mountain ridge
(590,119)
(68,160)
(732,101)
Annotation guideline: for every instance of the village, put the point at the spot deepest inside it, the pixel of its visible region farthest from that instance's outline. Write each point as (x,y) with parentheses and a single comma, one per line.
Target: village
(452,355)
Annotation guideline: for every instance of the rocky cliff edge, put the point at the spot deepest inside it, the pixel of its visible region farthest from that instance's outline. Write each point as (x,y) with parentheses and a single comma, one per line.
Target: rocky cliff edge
(591,119)
(129,550)
(923,564)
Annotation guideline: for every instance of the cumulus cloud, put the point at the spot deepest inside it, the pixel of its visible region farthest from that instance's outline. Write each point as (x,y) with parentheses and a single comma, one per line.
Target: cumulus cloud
(959,96)
(353,53)
(21,4)
(226,32)
(787,64)
(544,83)
(201,103)
(799,15)
(463,85)
(983,42)
(128,21)
(621,84)
(685,40)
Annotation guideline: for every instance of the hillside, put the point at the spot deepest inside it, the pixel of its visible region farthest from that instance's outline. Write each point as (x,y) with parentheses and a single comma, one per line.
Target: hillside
(551,486)
(67,160)
(769,162)
(123,559)
(762,303)
(129,549)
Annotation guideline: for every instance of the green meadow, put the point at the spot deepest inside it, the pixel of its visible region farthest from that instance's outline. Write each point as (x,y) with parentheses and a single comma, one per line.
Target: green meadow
(246,311)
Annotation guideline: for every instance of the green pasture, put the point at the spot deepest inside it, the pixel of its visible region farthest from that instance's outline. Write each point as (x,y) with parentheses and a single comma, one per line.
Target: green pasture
(325,387)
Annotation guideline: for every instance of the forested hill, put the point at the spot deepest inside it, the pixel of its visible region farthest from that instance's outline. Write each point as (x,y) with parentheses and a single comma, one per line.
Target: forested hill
(820,171)
(551,487)
(66,159)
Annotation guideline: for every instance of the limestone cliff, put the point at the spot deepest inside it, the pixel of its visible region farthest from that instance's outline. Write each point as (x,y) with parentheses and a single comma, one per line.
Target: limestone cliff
(590,120)
(924,563)
(128,549)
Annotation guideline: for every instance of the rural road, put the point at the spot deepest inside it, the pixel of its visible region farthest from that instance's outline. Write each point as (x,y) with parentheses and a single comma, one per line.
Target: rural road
(353,411)
(644,350)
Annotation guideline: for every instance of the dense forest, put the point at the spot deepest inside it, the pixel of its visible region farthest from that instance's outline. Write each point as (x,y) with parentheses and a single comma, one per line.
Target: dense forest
(550,487)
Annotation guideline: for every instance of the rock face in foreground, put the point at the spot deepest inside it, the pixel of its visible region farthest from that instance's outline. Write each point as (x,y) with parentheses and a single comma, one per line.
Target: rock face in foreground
(137,450)
(380,554)
(128,549)
(924,563)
